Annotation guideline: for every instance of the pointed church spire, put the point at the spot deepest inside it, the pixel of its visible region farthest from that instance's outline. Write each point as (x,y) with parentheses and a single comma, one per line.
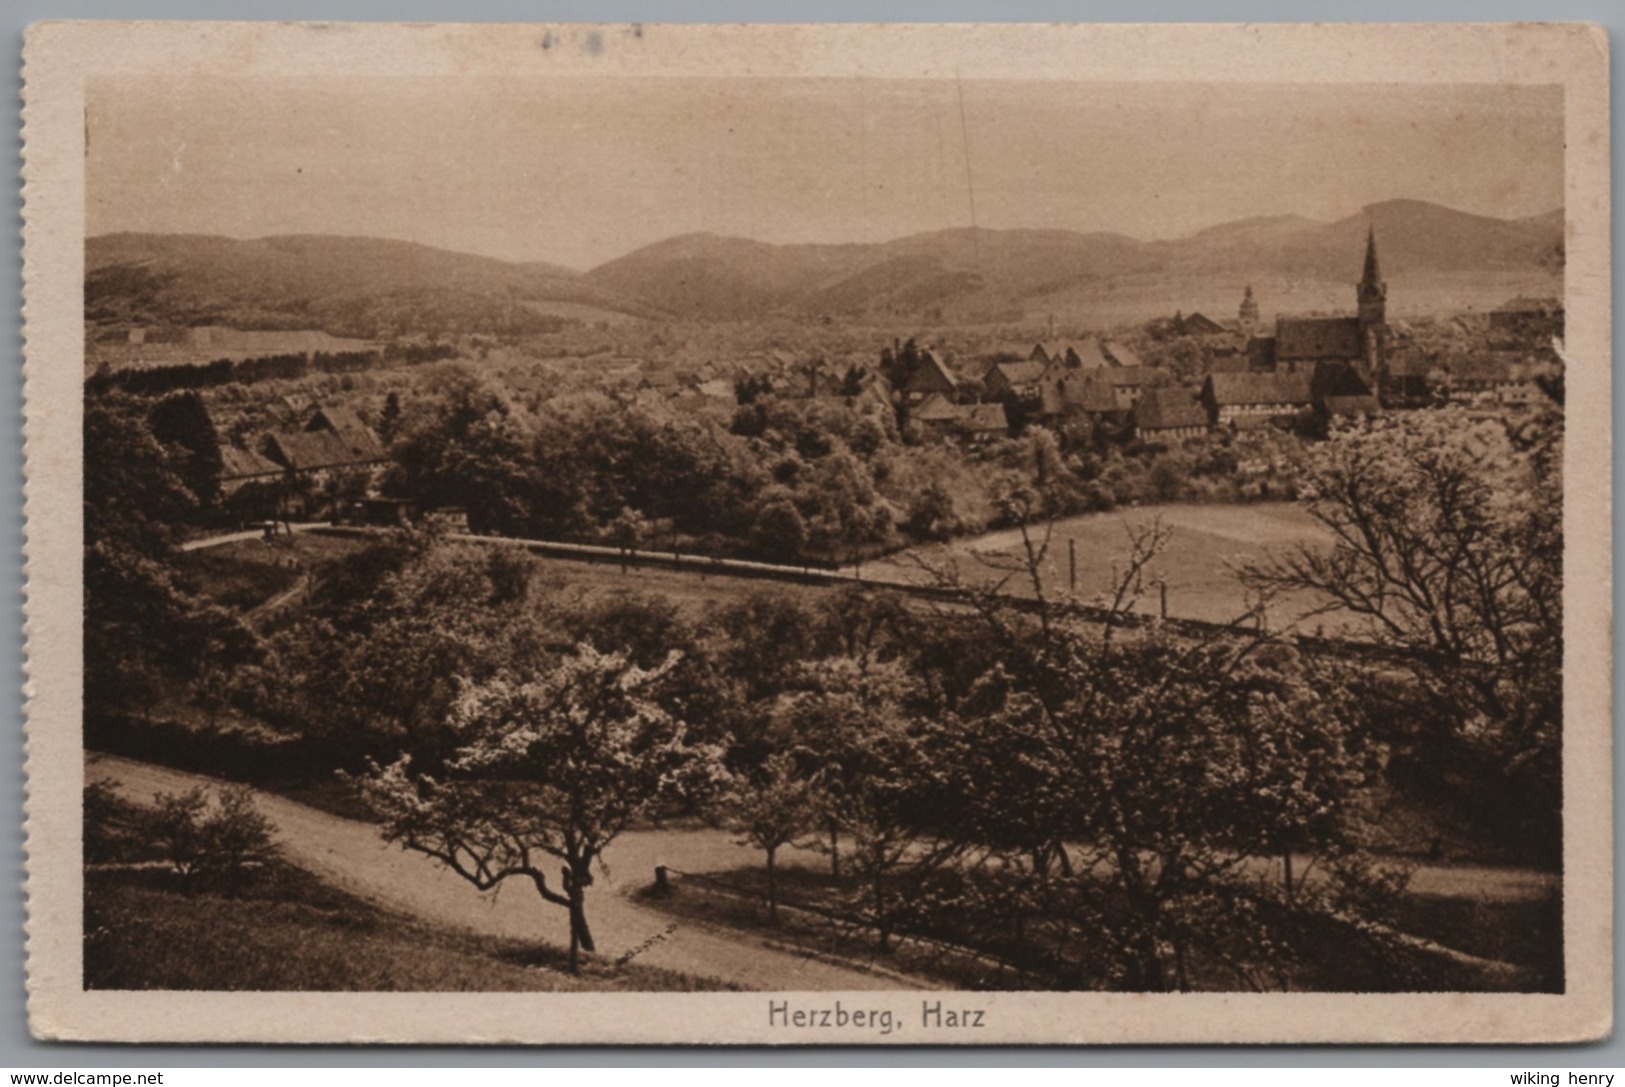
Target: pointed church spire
(1372,298)
(1372,293)
(1371,282)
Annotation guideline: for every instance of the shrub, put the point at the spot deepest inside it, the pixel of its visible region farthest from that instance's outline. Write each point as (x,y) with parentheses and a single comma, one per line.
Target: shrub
(1167,479)
(779,532)
(236,835)
(199,839)
(931,515)
(175,826)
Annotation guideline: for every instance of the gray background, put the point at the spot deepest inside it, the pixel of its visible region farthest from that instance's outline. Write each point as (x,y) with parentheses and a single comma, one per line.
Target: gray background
(17,1049)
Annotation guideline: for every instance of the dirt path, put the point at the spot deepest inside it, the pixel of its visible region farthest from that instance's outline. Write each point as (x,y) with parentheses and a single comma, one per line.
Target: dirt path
(279,601)
(350,855)
(223,539)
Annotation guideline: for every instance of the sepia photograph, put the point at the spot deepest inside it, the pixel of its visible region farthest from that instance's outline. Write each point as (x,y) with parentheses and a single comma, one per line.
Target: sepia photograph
(873,542)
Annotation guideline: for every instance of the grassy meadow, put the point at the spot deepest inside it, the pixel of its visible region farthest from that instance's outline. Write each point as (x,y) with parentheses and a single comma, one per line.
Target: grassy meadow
(1205,546)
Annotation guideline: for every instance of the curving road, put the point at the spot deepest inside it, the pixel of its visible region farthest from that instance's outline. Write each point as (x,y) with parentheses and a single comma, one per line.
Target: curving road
(350,855)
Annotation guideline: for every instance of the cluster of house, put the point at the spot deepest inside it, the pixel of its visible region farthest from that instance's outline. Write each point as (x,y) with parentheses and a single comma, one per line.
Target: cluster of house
(1100,380)
(276,479)
(1091,382)
(1325,366)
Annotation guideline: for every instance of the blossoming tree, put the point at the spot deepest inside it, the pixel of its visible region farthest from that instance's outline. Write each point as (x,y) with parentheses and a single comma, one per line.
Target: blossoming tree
(554,766)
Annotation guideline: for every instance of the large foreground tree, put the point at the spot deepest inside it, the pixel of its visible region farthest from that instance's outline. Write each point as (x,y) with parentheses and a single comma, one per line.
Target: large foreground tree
(1447,542)
(556,766)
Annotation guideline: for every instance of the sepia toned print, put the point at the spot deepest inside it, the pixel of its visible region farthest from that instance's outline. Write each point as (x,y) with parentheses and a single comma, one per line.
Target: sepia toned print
(848,539)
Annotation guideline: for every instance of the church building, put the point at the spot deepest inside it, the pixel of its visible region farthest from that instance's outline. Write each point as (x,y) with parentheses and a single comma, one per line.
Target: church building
(1308,344)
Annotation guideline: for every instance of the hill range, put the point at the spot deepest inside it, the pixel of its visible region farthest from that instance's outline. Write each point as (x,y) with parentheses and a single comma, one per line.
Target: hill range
(1435,257)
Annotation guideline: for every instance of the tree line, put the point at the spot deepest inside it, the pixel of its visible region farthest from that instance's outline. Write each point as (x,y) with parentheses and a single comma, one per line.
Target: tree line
(782,479)
(159,380)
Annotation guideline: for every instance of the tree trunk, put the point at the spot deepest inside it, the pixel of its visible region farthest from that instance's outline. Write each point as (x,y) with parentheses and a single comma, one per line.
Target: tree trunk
(578,923)
(1286,872)
(1145,973)
(835,848)
(580,934)
(575,937)
(772,889)
(1140,942)
(880,914)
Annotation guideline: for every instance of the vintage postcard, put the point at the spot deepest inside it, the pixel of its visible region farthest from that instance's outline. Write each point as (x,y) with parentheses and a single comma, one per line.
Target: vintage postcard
(818,534)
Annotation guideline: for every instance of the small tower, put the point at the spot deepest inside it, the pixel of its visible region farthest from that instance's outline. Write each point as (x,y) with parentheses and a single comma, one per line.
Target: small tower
(1372,292)
(1249,314)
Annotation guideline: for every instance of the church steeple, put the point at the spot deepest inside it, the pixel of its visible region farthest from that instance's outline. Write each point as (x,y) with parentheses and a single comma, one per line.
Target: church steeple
(1373,299)
(1373,273)
(1372,294)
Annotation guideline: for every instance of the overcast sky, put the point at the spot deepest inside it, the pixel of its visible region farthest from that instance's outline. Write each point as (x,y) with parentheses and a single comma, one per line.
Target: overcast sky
(579,171)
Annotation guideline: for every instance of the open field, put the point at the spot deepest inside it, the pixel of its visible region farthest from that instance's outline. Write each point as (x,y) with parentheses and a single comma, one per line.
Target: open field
(1206,544)
(583,312)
